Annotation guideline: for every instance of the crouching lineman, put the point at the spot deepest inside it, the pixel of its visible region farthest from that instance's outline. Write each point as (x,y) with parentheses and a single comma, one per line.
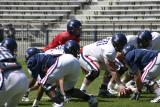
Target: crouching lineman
(101,55)
(60,72)
(145,39)
(13,81)
(145,65)
(33,85)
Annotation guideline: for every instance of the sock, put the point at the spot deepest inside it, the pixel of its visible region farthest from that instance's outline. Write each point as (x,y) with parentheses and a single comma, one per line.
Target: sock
(35,103)
(83,87)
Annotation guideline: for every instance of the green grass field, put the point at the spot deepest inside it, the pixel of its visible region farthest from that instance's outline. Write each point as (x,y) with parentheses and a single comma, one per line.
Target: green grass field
(93,89)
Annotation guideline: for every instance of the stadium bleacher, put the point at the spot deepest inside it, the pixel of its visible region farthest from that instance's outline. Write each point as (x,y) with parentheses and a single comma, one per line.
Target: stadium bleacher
(131,12)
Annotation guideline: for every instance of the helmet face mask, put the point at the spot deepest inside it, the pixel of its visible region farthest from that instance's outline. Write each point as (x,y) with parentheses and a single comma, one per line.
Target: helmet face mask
(30,52)
(74,27)
(72,47)
(144,39)
(119,40)
(144,43)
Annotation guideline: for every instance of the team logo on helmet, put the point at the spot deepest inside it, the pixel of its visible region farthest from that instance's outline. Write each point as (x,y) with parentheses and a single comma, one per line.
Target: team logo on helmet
(74,27)
(72,47)
(30,52)
(144,39)
(119,40)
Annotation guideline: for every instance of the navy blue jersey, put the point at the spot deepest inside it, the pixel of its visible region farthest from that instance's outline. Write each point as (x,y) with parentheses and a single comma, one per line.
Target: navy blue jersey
(139,58)
(39,63)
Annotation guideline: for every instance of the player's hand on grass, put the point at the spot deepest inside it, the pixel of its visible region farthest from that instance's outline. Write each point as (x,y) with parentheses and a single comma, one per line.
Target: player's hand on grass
(122,89)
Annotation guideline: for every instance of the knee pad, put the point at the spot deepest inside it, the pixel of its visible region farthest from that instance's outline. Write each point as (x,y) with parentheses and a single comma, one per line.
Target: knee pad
(92,75)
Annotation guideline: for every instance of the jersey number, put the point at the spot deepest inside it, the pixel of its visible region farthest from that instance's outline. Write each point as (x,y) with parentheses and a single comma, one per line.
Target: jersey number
(102,42)
(5,55)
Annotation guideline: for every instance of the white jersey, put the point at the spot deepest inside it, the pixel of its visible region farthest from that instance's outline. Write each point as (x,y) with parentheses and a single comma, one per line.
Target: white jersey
(132,40)
(56,51)
(101,50)
(13,83)
(155,41)
(66,66)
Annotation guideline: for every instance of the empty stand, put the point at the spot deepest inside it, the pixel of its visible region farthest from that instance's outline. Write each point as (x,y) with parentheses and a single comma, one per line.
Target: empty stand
(37,10)
(128,16)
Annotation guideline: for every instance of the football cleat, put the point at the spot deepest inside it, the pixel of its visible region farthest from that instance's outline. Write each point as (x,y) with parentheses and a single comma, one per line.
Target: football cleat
(58,105)
(25,99)
(93,101)
(156,100)
(103,92)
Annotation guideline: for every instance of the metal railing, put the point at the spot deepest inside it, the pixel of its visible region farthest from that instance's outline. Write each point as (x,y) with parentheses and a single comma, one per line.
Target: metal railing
(41,37)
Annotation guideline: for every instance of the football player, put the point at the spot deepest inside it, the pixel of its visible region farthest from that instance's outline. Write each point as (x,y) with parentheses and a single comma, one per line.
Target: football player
(99,55)
(56,74)
(144,39)
(33,85)
(13,81)
(144,65)
(74,28)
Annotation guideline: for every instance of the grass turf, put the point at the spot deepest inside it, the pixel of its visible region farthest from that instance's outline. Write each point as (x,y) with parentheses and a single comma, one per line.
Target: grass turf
(93,89)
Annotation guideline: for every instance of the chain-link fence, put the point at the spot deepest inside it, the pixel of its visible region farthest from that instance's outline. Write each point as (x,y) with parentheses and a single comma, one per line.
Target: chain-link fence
(41,37)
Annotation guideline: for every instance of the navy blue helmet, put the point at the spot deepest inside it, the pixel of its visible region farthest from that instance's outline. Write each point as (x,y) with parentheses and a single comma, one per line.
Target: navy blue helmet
(10,44)
(128,48)
(119,40)
(72,47)
(74,27)
(30,52)
(144,39)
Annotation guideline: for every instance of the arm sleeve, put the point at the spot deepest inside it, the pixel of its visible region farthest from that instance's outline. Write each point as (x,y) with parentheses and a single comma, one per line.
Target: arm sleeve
(54,43)
(134,69)
(34,74)
(110,55)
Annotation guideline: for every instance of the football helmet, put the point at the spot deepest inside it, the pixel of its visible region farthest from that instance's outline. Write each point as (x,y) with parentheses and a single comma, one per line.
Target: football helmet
(72,47)
(30,52)
(144,39)
(128,48)
(74,27)
(119,40)
(10,44)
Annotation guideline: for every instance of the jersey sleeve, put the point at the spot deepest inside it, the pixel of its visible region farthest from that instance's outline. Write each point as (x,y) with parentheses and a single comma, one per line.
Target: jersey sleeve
(132,65)
(31,66)
(109,54)
(54,43)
